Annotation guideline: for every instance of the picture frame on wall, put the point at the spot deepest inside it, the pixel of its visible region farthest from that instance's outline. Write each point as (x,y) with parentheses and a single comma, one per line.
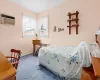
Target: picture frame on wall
(43,27)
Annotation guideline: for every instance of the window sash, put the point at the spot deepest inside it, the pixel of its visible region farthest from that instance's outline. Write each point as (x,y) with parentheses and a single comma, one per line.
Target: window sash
(29,26)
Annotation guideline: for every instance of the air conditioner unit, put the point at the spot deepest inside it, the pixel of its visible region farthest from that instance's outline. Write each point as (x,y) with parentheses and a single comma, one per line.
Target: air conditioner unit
(5,19)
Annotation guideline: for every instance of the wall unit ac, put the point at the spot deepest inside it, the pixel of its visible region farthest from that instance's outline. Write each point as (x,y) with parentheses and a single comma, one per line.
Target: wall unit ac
(5,19)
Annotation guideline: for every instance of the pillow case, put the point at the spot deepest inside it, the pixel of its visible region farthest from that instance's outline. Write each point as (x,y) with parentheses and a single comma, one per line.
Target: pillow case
(95,50)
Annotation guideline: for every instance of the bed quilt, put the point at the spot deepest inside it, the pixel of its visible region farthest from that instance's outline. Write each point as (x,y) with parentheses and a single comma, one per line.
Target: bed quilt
(64,61)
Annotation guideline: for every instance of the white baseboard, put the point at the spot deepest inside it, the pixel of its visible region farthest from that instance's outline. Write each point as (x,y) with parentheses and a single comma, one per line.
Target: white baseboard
(25,54)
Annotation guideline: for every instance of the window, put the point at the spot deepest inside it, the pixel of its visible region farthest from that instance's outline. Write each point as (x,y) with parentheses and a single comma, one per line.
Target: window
(29,26)
(43,26)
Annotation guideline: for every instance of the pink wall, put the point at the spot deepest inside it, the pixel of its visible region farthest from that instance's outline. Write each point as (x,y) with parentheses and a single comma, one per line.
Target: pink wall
(11,36)
(89,22)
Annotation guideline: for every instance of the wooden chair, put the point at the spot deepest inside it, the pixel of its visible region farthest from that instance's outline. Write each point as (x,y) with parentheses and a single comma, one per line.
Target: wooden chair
(14,58)
(7,71)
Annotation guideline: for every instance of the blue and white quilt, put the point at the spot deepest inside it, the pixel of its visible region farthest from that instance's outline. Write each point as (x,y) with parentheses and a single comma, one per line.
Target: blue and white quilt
(64,61)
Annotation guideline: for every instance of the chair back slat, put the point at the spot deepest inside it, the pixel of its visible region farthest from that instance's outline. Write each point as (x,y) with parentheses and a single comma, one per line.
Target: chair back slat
(15,56)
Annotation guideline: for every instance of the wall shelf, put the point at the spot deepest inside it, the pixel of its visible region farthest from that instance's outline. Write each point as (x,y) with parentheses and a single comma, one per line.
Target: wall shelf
(70,20)
(73,26)
(73,13)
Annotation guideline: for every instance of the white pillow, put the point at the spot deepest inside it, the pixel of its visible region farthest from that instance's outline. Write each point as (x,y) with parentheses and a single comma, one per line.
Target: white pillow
(95,50)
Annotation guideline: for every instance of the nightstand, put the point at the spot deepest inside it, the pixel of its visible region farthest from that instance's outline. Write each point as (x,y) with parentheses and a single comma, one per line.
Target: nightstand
(96,67)
(35,42)
(93,72)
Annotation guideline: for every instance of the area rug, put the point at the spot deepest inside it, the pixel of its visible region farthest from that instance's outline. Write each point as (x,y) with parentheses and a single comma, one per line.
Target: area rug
(29,69)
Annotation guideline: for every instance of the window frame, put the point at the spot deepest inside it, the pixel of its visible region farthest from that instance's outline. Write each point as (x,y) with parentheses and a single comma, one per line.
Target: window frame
(34,28)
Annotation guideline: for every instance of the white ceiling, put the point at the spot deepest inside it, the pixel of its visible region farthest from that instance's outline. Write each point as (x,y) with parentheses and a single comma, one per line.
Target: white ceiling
(37,5)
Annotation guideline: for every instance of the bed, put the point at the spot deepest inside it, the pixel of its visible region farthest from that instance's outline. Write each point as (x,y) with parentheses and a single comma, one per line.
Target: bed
(64,61)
